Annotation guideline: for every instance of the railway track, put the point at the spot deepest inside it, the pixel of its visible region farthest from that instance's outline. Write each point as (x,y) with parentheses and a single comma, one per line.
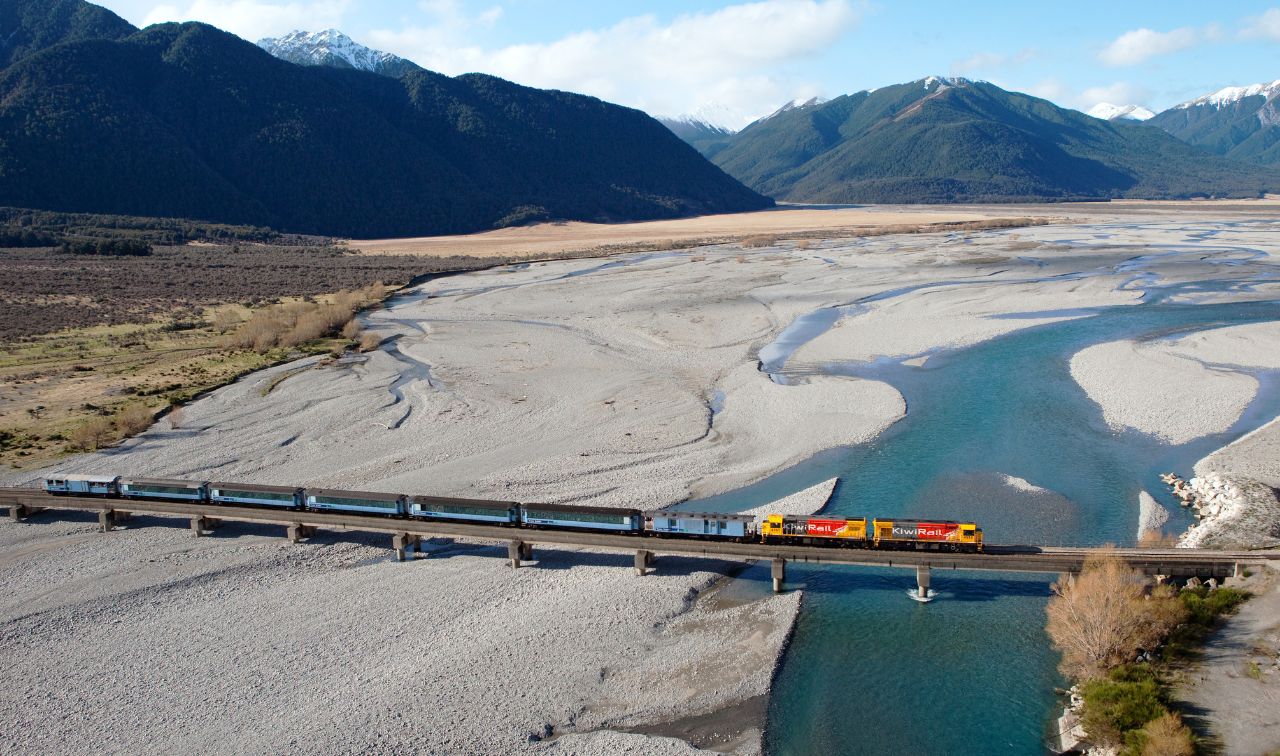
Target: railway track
(407,533)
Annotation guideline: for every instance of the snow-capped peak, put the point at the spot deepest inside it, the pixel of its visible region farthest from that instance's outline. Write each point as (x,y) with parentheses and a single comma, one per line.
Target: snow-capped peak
(1231,95)
(1108,112)
(796,104)
(332,48)
(712,116)
(946,81)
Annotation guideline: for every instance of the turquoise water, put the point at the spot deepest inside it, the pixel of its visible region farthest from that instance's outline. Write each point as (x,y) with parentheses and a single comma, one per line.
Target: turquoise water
(871,672)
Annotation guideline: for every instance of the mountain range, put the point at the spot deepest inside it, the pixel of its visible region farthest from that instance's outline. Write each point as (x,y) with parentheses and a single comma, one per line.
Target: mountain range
(955,140)
(185,120)
(1241,123)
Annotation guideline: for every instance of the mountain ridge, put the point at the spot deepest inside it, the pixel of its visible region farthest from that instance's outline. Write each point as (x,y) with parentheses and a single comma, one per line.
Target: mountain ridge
(1239,123)
(185,120)
(941,139)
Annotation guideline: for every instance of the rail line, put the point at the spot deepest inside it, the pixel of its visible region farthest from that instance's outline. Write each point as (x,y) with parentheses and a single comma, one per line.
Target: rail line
(406,534)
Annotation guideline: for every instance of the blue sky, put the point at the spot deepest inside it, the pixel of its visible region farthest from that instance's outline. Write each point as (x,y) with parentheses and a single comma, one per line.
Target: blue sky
(742,60)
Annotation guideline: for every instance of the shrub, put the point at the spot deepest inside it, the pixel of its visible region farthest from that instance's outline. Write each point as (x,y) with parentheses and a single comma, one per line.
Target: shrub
(93,433)
(1165,735)
(762,240)
(351,331)
(133,419)
(369,341)
(1127,700)
(1104,617)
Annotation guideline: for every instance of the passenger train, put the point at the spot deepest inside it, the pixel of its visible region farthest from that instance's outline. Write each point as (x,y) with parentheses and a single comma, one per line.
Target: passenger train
(859,532)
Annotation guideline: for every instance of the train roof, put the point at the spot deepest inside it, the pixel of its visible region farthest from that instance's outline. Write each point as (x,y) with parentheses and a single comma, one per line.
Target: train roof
(798,518)
(462,502)
(254,487)
(83,478)
(170,482)
(339,493)
(580,508)
(730,516)
(926,520)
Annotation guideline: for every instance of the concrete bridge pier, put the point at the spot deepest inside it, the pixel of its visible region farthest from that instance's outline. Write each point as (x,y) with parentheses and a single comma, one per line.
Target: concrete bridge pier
(526,551)
(922,581)
(18,512)
(201,525)
(779,574)
(106,520)
(515,550)
(644,561)
(400,543)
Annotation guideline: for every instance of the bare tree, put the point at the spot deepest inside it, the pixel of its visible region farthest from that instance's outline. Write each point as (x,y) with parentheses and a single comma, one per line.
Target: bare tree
(93,433)
(1104,617)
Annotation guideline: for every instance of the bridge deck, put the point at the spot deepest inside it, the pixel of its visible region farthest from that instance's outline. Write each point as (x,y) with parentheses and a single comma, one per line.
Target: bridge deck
(1012,558)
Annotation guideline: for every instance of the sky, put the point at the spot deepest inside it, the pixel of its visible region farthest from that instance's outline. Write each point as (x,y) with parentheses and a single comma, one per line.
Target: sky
(736,61)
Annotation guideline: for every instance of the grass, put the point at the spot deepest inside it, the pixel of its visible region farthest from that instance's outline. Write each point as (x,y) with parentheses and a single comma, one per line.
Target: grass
(84,388)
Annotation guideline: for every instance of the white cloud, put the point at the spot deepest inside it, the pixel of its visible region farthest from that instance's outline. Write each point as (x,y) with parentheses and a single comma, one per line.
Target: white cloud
(252,19)
(1266,26)
(735,56)
(985,61)
(1138,45)
(1118,93)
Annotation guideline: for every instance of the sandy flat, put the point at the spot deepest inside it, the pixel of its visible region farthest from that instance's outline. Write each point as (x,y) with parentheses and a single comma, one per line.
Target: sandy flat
(1161,387)
(547,239)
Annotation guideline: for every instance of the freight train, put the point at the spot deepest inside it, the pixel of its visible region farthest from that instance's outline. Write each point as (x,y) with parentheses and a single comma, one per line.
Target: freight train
(839,532)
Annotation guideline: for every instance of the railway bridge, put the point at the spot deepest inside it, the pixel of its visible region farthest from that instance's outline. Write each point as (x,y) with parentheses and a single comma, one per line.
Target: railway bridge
(406,535)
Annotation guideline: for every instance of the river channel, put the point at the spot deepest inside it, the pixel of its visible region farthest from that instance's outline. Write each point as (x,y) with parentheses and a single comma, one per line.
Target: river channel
(998,433)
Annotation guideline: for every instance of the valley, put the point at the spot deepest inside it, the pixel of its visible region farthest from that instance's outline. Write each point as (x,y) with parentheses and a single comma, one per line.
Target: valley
(627,381)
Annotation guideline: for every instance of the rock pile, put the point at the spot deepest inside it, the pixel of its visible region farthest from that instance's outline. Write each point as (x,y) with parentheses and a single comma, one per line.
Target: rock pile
(1232,512)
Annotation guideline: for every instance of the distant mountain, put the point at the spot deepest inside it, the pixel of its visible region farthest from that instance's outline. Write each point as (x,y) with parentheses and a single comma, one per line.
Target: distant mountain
(184,120)
(951,140)
(29,26)
(1242,123)
(333,48)
(1108,112)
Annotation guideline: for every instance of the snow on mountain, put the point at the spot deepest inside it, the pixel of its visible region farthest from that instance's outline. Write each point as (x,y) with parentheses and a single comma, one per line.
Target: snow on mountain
(796,104)
(333,48)
(711,117)
(1231,95)
(946,81)
(1108,112)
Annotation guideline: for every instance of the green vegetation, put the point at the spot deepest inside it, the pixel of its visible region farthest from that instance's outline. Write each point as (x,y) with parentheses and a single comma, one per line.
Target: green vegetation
(963,141)
(124,126)
(1233,130)
(1105,619)
(29,26)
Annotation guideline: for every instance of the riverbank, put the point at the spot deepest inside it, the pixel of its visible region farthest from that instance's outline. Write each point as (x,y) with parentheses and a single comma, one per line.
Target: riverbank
(1232,692)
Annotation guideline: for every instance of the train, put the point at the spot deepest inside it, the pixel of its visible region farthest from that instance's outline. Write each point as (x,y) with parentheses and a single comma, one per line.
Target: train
(916,534)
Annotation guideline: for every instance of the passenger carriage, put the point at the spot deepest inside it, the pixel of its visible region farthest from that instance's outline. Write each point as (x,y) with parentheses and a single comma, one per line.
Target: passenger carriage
(469,510)
(582,517)
(163,488)
(284,497)
(372,502)
(83,485)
